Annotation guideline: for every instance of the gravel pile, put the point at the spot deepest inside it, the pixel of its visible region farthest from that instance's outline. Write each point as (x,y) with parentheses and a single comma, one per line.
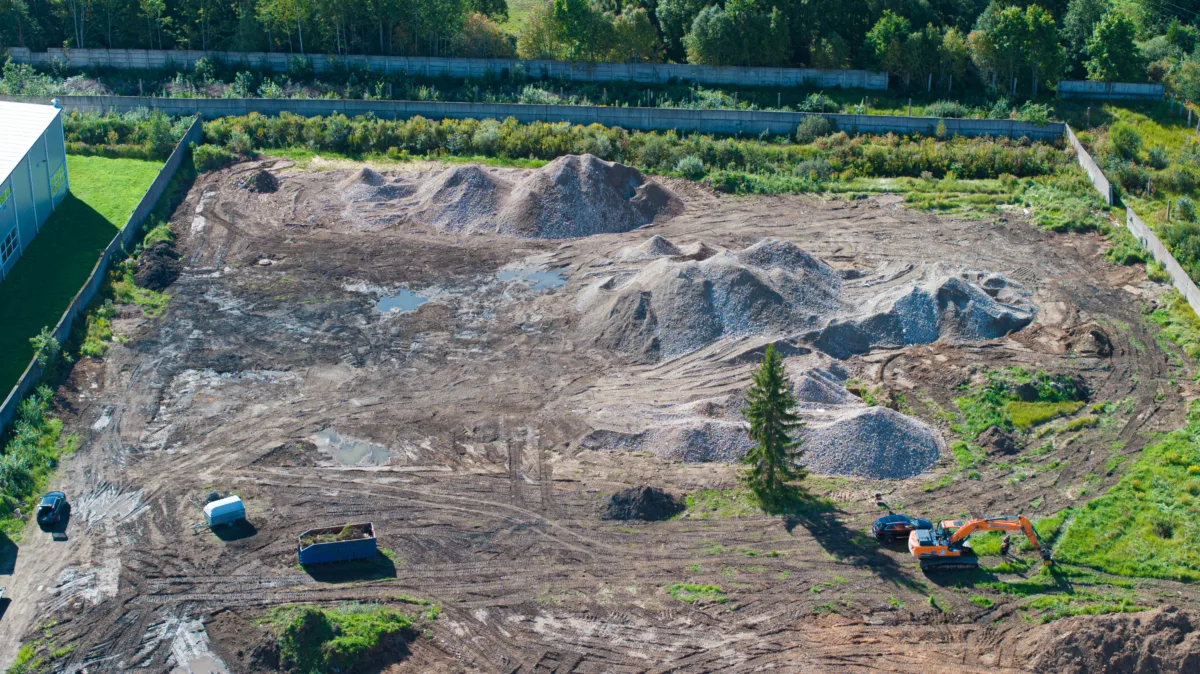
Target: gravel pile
(461,198)
(936,307)
(654,247)
(874,442)
(370,186)
(572,196)
(677,305)
(685,439)
(581,195)
(819,388)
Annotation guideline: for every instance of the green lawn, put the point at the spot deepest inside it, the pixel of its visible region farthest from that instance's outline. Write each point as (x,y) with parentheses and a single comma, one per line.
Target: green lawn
(104,193)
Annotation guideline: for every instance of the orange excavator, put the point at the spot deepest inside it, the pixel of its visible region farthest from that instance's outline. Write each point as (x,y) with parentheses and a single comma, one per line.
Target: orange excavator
(946,548)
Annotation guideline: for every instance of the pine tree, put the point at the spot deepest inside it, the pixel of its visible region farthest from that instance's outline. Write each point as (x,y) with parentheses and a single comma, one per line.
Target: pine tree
(770,409)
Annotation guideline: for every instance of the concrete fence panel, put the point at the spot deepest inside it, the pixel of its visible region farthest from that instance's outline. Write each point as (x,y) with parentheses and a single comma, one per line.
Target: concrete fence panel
(731,122)
(91,287)
(1179,278)
(1091,167)
(1110,90)
(650,73)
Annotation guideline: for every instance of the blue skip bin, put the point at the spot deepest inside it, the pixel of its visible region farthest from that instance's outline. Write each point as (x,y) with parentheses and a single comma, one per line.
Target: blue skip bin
(337,544)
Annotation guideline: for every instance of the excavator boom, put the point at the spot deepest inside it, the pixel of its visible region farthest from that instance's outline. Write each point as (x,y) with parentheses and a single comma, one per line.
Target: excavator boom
(946,547)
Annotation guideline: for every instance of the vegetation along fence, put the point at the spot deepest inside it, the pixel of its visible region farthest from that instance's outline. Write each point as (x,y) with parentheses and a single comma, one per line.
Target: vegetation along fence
(1179,278)
(91,287)
(465,67)
(1110,90)
(747,122)
(1093,170)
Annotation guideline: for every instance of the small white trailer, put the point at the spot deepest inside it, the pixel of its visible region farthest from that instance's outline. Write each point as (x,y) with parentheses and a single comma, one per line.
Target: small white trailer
(224,511)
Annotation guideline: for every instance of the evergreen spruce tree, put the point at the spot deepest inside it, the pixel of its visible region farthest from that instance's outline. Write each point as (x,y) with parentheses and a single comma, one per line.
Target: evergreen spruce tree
(770,409)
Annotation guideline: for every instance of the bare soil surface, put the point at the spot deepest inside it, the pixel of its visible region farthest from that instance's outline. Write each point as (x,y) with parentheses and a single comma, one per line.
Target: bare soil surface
(484,432)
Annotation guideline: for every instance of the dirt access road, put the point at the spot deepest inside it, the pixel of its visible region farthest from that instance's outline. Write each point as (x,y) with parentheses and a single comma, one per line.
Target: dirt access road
(459,430)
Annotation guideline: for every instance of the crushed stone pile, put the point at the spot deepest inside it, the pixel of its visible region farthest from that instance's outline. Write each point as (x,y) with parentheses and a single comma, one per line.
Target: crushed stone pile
(674,306)
(678,304)
(582,195)
(875,442)
(655,246)
(1162,640)
(648,504)
(940,305)
(461,198)
(572,196)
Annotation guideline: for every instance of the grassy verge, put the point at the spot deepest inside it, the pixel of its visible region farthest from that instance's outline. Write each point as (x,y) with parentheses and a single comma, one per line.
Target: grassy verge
(1179,322)
(1147,524)
(32,452)
(317,640)
(104,193)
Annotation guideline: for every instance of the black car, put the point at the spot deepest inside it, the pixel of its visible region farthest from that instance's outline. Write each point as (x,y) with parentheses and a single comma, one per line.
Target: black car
(50,510)
(893,527)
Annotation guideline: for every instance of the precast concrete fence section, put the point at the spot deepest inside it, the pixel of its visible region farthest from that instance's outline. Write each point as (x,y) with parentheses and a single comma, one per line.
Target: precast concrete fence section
(1112,91)
(1179,278)
(91,287)
(1091,167)
(731,122)
(650,73)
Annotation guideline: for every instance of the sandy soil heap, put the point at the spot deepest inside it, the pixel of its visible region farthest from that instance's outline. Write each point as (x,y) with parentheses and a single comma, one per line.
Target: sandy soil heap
(1162,640)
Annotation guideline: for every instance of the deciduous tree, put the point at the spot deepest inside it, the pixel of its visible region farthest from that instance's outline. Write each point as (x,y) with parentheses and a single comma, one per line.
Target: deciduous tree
(1113,54)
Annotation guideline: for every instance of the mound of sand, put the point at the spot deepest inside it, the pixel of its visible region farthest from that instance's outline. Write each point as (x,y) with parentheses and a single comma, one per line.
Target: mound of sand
(928,310)
(1162,640)
(875,442)
(677,305)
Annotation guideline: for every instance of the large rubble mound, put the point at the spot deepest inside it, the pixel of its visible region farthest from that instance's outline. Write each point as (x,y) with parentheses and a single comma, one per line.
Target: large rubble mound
(572,196)
(875,442)
(678,303)
(1162,640)
(581,195)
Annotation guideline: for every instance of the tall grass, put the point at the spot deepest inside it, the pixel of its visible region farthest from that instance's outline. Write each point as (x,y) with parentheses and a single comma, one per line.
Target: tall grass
(31,453)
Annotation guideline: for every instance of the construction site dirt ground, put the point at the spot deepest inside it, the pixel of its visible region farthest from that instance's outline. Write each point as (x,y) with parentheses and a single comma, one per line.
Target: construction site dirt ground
(457,429)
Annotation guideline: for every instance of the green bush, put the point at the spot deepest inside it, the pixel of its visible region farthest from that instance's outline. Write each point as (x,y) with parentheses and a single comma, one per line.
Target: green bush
(211,157)
(1158,159)
(690,166)
(31,454)
(814,127)
(1125,139)
(1185,208)
(314,640)
(1125,249)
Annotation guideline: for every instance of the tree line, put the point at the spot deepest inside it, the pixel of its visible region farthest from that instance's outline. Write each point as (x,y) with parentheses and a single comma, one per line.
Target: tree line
(1011,45)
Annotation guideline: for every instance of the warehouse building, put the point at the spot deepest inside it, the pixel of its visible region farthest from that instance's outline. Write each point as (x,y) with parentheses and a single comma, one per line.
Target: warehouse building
(33,174)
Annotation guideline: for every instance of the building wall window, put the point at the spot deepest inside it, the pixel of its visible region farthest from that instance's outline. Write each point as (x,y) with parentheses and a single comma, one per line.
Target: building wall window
(57,180)
(4,198)
(8,247)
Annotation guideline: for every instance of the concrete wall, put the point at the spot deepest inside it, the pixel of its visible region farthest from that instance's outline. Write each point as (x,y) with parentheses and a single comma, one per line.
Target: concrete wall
(1179,278)
(462,67)
(1110,90)
(1093,170)
(746,122)
(34,189)
(91,287)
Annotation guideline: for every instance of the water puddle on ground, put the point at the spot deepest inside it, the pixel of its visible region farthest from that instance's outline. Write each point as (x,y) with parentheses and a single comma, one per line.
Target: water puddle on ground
(402,302)
(538,279)
(352,451)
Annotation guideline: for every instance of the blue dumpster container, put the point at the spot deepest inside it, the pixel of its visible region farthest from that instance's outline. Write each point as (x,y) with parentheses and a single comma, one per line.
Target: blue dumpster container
(362,547)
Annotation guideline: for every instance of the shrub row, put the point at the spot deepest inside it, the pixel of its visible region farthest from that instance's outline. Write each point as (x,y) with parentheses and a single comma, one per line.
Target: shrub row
(868,156)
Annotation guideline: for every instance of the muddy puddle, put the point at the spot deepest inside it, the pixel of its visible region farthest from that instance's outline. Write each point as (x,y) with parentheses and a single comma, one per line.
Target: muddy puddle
(349,451)
(402,302)
(537,279)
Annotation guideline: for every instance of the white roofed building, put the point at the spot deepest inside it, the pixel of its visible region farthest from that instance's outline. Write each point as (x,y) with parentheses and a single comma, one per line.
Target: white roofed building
(33,175)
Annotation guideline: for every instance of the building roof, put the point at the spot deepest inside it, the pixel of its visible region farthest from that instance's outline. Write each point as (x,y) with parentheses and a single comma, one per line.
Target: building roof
(21,124)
